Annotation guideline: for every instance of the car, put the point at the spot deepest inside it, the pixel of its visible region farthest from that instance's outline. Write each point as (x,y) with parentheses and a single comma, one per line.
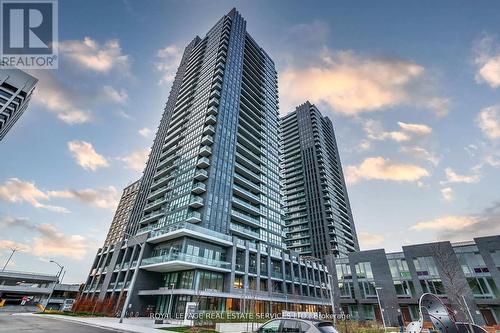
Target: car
(294,325)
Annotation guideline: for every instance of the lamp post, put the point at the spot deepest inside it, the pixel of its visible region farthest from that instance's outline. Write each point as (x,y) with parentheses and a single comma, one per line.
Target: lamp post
(14,250)
(380,307)
(332,300)
(55,283)
(172,286)
(134,277)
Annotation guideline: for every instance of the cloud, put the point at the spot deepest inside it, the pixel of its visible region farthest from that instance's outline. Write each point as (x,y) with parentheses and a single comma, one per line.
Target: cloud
(485,223)
(380,168)
(375,131)
(106,198)
(136,160)
(145,132)
(47,241)
(114,95)
(418,129)
(90,55)
(439,105)
(15,190)
(352,84)
(53,242)
(168,59)
(58,98)
(421,153)
(369,239)
(448,222)
(86,156)
(487,60)
(8,244)
(453,177)
(447,194)
(489,121)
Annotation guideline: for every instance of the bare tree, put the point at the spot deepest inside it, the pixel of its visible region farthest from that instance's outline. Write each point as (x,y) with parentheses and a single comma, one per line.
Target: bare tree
(451,275)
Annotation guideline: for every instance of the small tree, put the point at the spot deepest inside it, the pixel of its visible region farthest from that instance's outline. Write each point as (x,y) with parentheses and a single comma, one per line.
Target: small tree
(452,275)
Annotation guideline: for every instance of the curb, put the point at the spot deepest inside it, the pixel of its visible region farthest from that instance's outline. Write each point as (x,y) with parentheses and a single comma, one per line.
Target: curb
(90,324)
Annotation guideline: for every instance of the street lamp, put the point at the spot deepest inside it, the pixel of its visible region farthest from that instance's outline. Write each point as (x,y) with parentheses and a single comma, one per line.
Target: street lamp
(134,277)
(14,250)
(330,287)
(55,283)
(172,286)
(60,269)
(380,307)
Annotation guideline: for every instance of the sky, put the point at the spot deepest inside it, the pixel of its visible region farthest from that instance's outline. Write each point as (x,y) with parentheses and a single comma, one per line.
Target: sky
(412,88)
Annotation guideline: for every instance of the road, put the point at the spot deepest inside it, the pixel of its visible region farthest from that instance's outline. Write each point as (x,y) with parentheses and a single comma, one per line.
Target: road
(41,324)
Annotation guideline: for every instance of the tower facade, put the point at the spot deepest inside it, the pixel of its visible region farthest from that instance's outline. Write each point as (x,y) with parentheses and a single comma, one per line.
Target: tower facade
(120,221)
(211,226)
(16,88)
(318,215)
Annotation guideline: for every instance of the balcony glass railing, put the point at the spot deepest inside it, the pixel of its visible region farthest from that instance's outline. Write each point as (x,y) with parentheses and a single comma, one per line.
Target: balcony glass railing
(189,226)
(201,174)
(246,192)
(247,205)
(244,230)
(245,217)
(186,258)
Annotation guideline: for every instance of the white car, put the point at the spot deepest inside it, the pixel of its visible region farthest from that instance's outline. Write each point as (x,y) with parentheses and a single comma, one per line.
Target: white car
(292,325)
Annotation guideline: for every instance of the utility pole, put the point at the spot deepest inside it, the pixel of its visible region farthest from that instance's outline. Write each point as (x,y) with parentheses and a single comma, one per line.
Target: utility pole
(14,250)
(55,283)
(380,307)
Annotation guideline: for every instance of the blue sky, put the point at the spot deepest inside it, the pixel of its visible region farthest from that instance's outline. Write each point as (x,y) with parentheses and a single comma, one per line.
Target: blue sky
(413,90)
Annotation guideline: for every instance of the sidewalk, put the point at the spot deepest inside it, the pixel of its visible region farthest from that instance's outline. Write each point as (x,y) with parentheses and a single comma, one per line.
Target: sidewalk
(136,325)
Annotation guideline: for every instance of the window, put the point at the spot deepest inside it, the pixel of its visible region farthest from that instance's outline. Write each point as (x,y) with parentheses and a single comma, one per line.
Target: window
(364,270)
(483,287)
(433,286)
(495,255)
(290,326)
(367,289)
(271,327)
(425,266)
(404,289)
(346,289)
(399,268)
(343,271)
(472,262)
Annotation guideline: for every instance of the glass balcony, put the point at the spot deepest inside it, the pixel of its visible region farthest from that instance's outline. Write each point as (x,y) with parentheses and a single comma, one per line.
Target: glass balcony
(196,202)
(215,93)
(193,217)
(151,217)
(186,225)
(245,218)
(199,188)
(155,204)
(205,151)
(209,129)
(207,140)
(201,175)
(246,206)
(213,102)
(203,163)
(217,86)
(243,192)
(243,230)
(188,259)
(247,183)
(210,120)
(212,111)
